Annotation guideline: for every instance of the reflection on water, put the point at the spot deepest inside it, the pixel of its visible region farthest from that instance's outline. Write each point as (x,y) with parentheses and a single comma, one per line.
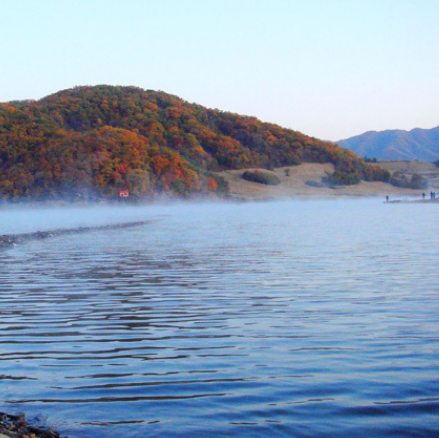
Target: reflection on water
(281,319)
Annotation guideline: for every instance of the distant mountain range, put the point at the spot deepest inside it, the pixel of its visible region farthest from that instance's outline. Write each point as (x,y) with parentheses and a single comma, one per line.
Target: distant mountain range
(417,144)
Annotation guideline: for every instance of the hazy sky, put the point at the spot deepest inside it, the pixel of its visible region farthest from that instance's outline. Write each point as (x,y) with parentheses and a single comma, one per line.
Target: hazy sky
(328,68)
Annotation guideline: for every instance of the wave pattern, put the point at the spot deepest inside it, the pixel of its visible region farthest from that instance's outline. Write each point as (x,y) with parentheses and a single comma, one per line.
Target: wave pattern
(274,320)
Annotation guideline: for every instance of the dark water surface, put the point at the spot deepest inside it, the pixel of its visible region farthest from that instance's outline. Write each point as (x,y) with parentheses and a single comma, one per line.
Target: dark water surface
(300,319)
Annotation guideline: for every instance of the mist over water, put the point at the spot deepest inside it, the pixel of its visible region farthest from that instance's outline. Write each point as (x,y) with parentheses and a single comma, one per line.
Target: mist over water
(22,219)
(283,319)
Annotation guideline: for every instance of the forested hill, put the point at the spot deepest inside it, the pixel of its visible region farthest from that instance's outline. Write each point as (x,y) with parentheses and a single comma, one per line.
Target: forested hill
(90,142)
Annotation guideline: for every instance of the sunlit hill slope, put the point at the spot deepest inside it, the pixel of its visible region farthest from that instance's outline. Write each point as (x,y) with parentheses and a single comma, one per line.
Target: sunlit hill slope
(91,142)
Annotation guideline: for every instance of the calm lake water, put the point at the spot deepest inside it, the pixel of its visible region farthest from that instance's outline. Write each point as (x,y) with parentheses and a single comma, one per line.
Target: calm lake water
(287,319)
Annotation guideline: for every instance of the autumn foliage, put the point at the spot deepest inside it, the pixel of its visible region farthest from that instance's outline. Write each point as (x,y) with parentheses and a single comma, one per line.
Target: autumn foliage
(89,142)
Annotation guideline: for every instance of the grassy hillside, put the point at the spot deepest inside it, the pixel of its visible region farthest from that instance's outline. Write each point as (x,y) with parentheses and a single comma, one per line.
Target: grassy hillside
(90,142)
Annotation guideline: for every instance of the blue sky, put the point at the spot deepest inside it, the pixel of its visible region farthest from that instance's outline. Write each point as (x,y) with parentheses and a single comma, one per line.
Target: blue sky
(328,68)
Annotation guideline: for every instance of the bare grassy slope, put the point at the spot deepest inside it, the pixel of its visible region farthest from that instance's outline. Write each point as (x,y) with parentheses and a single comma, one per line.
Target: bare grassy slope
(303,181)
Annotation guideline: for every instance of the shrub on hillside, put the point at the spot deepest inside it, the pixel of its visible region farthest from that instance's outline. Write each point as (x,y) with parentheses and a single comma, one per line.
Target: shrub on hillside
(261,177)
(342,178)
(416,182)
(316,184)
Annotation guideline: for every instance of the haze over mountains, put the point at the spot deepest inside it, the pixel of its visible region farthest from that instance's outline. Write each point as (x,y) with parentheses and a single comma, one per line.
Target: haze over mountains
(417,144)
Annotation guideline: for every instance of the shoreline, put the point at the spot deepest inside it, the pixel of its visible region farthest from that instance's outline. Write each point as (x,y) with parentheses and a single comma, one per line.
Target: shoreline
(302,182)
(413,201)
(16,426)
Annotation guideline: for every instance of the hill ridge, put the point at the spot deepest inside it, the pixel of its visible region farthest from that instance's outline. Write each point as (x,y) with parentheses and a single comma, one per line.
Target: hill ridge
(92,141)
(396,144)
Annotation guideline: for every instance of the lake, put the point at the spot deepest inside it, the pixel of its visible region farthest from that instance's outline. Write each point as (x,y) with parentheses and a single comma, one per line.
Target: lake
(276,319)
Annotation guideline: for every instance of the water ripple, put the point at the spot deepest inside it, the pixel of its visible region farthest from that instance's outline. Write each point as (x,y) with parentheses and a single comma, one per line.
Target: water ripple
(224,321)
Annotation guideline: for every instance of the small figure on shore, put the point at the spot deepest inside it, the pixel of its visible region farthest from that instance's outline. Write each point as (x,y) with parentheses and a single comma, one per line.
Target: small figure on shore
(387,198)
(423,196)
